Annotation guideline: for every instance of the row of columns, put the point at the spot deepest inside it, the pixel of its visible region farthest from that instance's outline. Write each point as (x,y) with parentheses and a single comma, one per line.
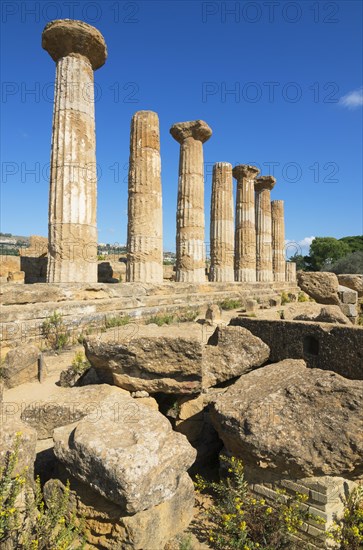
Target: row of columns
(248,250)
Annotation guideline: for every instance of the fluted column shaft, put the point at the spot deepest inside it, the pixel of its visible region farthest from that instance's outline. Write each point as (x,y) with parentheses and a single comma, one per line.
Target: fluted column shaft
(222,224)
(263,187)
(190,245)
(278,241)
(144,229)
(78,50)
(245,235)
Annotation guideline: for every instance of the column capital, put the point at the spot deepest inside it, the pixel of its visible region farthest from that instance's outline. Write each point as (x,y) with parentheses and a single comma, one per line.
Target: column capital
(63,37)
(197,129)
(245,171)
(264,182)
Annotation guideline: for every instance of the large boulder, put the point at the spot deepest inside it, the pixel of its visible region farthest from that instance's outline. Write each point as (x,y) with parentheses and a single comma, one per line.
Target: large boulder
(157,359)
(175,359)
(354,282)
(230,352)
(131,455)
(108,527)
(69,405)
(20,365)
(322,286)
(293,420)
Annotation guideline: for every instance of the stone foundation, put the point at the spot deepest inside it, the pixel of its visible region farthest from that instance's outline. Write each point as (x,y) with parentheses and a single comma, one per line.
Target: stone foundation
(25,307)
(321,345)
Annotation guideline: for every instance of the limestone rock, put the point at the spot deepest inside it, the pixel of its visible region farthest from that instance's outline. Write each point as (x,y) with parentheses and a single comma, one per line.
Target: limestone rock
(109,528)
(16,277)
(322,286)
(21,366)
(354,281)
(347,295)
(294,420)
(153,364)
(10,425)
(71,377)
(232,351)
(213,314)
(131,456)
(310,311)
(67,406)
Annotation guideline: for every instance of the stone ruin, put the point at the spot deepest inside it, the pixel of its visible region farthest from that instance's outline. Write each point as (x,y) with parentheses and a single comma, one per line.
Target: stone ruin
(284,395)
(250,251)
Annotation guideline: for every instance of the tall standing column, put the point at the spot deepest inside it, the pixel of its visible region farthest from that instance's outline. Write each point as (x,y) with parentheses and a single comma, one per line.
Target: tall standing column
(245,239)
(145,225)
(290,272)
(190,247)
(263,186)
(278,241)
(78,50)
(222,224)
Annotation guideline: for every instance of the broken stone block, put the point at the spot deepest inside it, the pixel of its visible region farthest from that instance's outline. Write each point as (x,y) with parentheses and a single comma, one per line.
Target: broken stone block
(21,366)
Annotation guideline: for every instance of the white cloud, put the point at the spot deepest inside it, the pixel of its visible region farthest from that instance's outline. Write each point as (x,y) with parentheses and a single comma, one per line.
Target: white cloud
(353,99)
(300,247)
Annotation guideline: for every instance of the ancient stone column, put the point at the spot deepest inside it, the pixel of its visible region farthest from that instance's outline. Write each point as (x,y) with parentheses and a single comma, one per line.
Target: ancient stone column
(78,49)
(190,247)
(145,225)
(222,224)
(290,272)
(263,186)
(245,236)
(278,241)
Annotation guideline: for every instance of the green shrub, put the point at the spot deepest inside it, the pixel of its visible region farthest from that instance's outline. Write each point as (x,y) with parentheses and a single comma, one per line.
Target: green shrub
(80,364)
(55,332)
(39,526)
(160,320)
(240,520)
(348,532)
(285,298)
(230,304)
(118,321)
(302,297)
(187,316)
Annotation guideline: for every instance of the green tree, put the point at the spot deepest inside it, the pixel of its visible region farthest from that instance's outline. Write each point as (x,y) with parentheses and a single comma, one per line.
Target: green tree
(355,243)
(302,262)
(324,251)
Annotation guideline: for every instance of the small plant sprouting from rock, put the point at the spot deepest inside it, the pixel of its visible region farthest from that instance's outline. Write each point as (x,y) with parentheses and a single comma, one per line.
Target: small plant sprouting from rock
(285,298)
(38,526)
(238,519)
(80,364)
(117,321)
(187,316)
(230,304)
(348,532)
(55,331)
(160,320)
(302,297)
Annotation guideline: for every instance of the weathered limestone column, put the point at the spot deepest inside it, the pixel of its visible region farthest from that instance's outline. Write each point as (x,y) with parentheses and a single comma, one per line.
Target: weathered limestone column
(245,239)
(145,224)
(190,247)
(263,186)
(78,50)
(290,272)
(222,224)
(278,241)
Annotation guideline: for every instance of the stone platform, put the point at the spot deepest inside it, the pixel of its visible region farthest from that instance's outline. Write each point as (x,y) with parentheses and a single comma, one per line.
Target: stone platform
(24,308)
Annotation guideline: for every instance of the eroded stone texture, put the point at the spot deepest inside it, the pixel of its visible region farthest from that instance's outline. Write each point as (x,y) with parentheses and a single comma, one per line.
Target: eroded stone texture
(190,247)
(78,50)
(222,224)
(131,455)
(278,241)
(263,186)
(290,268)
(288,418)
(245,237)
(322,286)
(144,230)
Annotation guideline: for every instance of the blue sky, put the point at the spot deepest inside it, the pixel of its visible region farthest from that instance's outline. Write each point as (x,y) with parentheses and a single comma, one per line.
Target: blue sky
(280,84)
